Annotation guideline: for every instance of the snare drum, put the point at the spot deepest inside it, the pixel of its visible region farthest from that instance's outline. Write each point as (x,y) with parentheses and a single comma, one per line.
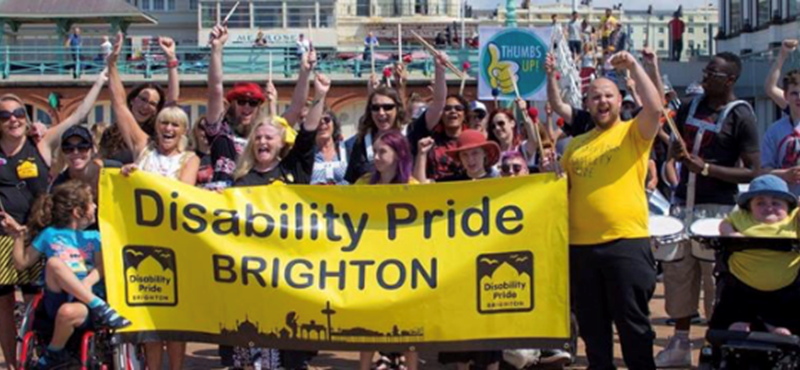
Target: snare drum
(667,236)
(706,228)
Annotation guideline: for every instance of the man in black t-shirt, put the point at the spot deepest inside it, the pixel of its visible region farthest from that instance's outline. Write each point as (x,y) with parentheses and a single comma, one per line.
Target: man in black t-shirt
(719,131)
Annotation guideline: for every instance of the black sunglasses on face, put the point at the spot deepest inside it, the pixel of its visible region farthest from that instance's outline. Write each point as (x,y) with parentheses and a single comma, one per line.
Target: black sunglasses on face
(507,168)
(385,107)
(19,113)
(82,147)
(479,114)
(252,103)
(326,120)
(457,108)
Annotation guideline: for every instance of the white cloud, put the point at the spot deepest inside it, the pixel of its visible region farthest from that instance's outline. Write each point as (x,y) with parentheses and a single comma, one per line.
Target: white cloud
(626,4)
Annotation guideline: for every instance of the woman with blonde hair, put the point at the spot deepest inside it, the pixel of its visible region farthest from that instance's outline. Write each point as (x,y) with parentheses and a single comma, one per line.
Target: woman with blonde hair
(23,177)
(267,157)
(165,154)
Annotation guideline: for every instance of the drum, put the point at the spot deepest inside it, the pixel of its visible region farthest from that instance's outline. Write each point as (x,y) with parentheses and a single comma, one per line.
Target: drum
(666,234)
(705,228)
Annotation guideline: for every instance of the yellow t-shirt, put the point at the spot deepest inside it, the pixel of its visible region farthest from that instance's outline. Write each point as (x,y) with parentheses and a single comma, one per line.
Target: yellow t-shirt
(610,24)
(607,171)
(765,270)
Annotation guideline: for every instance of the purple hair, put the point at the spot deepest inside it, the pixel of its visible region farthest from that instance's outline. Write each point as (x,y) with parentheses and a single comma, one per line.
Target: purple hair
(397,141)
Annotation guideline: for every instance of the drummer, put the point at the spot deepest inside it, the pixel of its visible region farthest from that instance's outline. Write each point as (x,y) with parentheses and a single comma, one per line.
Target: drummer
(718,130)
(761,286)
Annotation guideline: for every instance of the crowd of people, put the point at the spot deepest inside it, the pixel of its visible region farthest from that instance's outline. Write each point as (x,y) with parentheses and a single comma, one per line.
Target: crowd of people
(615,151)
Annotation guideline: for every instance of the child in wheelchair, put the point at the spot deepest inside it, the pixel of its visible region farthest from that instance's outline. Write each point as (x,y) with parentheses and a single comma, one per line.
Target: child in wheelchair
(760,289)
(73,267)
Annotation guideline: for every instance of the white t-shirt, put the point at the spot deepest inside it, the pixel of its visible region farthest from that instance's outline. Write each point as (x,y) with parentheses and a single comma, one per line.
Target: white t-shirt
(303,46)
(574,30)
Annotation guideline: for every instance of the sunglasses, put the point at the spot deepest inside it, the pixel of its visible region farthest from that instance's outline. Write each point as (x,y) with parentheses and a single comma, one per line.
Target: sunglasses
(500,124)
(385,107)
(144,100)
(716,74)
(326,120)
(506,168)
(251,103)
(479,114)
(19,113)
(71,148)
(457,108)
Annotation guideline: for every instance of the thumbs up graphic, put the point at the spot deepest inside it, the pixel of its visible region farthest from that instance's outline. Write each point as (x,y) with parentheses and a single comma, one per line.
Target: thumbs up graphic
(502,74)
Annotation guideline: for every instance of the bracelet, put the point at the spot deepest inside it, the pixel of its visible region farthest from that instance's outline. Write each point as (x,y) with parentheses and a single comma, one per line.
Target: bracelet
(172,63)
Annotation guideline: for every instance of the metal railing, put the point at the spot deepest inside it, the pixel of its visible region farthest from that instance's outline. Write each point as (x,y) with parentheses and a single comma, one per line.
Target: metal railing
(193,60)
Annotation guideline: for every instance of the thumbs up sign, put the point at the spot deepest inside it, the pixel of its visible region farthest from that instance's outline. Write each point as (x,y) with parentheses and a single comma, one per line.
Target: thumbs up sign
(502,74)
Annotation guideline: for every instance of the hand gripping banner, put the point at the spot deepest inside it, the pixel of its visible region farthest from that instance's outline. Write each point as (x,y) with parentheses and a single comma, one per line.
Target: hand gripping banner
(460,266)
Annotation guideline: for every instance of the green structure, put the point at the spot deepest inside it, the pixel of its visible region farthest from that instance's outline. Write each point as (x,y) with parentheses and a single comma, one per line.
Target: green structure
(511,13)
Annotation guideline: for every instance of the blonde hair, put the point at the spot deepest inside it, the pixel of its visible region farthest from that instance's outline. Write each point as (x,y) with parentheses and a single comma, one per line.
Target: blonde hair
(15,98)
(247,159)
(176,114)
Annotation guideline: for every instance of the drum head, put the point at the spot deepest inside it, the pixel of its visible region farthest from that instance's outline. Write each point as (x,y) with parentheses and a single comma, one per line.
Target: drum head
(706,227)
(665,225)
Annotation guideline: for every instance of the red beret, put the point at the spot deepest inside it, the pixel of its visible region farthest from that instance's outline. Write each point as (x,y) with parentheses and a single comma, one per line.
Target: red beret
(247,90)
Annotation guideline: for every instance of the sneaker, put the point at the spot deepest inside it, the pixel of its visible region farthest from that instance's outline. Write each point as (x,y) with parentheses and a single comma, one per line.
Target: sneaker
(678,353)
(108,317)
(555,357)
(52,360)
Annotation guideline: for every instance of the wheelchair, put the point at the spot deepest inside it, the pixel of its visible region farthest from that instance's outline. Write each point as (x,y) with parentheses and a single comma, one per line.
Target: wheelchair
(735,350)
(89,348)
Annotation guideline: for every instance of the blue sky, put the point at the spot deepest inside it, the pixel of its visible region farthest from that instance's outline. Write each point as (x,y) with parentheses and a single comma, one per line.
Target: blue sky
(627,4)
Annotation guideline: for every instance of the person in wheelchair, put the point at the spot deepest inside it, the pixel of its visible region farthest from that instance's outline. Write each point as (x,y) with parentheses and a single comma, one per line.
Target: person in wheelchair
(761,287)
(73,267)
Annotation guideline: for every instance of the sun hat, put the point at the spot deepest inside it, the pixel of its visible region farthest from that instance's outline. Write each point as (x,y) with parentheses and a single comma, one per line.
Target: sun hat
(770,185)
(247,90)
(470,139)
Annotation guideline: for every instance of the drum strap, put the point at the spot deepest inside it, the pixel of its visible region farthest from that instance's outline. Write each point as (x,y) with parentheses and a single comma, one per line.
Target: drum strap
(702,127)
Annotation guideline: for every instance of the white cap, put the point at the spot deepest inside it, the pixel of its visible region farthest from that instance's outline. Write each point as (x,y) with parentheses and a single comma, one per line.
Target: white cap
(477,105)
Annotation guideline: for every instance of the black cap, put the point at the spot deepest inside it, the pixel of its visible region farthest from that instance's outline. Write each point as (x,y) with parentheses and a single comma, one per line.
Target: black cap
(79,131)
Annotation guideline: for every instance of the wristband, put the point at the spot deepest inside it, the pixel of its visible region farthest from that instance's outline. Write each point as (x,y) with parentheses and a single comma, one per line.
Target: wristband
(172,63)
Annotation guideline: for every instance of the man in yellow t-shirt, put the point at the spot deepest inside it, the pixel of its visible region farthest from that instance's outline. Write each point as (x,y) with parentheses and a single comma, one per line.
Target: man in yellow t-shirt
(607,26)
(761,286)
(612,271)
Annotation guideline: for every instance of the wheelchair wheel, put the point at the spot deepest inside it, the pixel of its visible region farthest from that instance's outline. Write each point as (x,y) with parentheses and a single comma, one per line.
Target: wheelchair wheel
(93,356)
(30,351)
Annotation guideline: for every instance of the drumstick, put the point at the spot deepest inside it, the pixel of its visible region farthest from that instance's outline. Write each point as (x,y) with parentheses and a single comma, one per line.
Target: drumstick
(433,51)
(230,13)
(466,66)
(372,55)
(224,21)
(269,56)
(674,128)
(516,88)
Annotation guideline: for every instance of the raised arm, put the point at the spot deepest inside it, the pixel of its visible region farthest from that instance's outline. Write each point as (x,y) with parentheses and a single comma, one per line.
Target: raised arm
(272,98)
(651,100)
(424,146)
(321,86)
(173,77)
(52,138)
(554,91)
(133,135)
(300,95)
(216,98)
(650,64)
(771,84)
(532,144)
(435,109)
(401,80)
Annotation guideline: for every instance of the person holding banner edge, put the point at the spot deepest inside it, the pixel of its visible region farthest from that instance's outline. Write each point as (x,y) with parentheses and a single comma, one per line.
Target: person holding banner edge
(612,269)
(166,155)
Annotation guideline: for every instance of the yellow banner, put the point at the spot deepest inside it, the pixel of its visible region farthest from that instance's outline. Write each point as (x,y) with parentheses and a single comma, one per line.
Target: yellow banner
(458,266)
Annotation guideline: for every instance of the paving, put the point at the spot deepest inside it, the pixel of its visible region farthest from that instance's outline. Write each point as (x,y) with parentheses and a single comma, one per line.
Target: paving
(204,356)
